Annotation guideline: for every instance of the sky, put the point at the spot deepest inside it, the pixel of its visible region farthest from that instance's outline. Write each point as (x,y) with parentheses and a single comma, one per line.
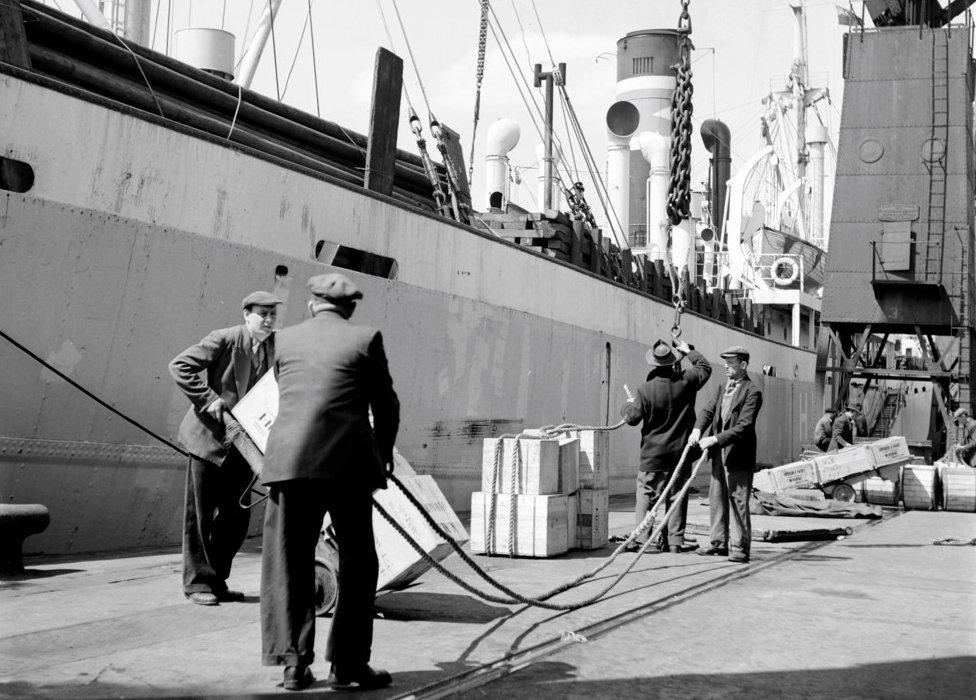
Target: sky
(742,48)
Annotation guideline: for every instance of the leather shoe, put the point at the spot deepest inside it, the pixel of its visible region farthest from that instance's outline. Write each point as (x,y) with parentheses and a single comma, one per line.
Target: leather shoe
(633,547)
(714,551)
(366,678)
(739,558)
(228,596)
(203,598)
(297,677)
(684,547)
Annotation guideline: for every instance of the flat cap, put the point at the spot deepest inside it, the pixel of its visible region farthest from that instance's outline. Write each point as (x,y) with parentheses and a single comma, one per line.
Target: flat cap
(736,351)
(660,355)
(260,299)
(959,412)
(854,408)
(334,288)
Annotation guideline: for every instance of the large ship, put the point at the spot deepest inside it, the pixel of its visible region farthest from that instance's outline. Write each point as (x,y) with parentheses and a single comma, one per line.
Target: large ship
(144,197)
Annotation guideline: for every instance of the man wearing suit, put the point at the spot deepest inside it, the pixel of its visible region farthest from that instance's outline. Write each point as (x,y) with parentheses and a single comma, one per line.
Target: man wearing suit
(965,449)
(665,407)
(823,429)
(215,524)
(323,457)
(731,415)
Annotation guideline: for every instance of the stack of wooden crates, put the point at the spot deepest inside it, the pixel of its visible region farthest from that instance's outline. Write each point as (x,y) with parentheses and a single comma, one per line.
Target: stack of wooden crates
(561,498)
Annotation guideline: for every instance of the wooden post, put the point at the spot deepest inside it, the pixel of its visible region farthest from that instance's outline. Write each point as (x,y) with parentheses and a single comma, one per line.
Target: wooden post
(626,262)
(576,244)
(597,257)
(13,39)
(456,154)
(384,118)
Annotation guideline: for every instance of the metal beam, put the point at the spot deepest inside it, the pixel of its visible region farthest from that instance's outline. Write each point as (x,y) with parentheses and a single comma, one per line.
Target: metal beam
(883,373)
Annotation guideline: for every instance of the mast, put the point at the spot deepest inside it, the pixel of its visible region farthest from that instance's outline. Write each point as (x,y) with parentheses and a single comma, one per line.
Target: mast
(549,78)
(252,55)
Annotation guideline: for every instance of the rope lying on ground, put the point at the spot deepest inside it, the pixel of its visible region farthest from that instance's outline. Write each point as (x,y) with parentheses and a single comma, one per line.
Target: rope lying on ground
(513,597)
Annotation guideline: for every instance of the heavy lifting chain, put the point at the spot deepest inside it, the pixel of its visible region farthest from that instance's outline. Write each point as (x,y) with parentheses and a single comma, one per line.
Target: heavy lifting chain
(478,78)
(679,187)
(679,297)
(512,597)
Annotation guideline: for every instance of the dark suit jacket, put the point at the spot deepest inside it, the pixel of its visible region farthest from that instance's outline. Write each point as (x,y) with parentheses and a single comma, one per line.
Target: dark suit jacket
(225,356)
(822,431)
(842,433)
(665,405)
(330,373)
(736,432)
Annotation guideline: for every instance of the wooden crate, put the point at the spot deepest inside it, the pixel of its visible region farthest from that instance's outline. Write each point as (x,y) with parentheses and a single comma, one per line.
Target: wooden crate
(549,466)
(593,518)
(764,481)
(889,451)
(795,475)
(541,530)
(594,459)
(835,466)
(398,562)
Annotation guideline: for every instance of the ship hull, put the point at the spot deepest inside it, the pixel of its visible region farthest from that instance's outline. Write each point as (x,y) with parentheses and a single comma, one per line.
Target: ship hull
(137,238)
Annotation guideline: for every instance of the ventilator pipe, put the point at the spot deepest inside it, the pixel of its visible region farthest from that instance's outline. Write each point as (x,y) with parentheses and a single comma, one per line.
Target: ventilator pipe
(540,157)
(718,140)
(709,247)
(654,148)
(683,247)
(503,135)
(91,12)
(254,50)
(618,180)
(816,138)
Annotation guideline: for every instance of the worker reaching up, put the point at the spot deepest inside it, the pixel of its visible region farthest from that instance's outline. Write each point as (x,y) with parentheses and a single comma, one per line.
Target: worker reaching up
(664,406)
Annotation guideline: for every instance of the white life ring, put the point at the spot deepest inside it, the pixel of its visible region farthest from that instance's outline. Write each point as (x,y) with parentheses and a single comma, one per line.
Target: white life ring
(784,271)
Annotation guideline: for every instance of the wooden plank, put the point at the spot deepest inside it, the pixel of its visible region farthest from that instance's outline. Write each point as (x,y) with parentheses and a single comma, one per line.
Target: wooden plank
(595,257)
(576,244)
(384,120)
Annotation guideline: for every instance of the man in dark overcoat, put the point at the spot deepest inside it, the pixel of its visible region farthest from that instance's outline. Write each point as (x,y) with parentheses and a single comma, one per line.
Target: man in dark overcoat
(965,449)
(323,457)
(823,429)
(664,406)
(731,415)
(214,374)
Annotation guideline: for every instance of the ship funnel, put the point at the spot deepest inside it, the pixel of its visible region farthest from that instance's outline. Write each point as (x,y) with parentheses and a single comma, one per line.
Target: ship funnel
(211,50)
(654,148)
(502,137)
(718,140)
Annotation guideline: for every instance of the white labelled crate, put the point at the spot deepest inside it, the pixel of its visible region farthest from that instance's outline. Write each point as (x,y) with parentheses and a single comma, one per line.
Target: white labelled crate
(795,475)
(548,466)
(541,524)
(764,481)
(835,466)
(594,462)
(889,451)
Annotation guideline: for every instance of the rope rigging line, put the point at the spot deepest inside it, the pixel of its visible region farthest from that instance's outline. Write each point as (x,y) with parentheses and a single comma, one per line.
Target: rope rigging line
(315,69)
(274,48)
(513,596)
(413,60)
(518,18)
(247,28)
(542,31)
(298,48)
(479,76)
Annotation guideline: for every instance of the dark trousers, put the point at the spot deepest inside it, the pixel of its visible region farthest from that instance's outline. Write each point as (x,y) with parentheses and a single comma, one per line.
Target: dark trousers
(214,523)
(292,523)
(650,485)
(728,500)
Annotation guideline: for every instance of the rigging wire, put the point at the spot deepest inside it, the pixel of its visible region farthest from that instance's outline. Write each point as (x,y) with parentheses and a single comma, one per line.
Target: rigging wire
(298,49)
(247,28)
(169,24)
(152,41)
(389,37)
(223,15)
(413,60)
(274,49)
(315,70)
(542,31)
(528,54)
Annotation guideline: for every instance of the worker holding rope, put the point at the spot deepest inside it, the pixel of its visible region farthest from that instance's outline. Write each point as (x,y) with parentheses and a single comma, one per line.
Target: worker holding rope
(664,406)
(731,416)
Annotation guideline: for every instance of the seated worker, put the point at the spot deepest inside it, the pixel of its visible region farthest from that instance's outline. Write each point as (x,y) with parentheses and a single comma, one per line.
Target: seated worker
(822,430)
(965,449)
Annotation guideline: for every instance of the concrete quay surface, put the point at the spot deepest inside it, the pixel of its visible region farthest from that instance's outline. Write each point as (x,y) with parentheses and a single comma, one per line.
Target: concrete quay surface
(879,614)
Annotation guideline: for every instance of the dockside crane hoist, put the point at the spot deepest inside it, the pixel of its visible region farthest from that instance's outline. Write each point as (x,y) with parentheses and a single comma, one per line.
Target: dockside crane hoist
(901,237)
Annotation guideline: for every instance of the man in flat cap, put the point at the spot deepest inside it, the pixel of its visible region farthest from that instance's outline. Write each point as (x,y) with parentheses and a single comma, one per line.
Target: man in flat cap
(664,406)
(965,449)
(842,433)
(823,429)
(731,416)
(323,457)
(214,374)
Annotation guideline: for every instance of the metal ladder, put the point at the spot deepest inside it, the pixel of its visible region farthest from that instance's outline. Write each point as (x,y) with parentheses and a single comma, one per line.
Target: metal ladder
(936,164)
(889,409)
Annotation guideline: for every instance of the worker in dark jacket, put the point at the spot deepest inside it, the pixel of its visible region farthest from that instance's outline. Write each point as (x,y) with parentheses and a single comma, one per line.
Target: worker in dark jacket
(860,422)
(664,405)
(823,429)
(323,457)
(215,524)
(731,418)
(965,449)
(842,434)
